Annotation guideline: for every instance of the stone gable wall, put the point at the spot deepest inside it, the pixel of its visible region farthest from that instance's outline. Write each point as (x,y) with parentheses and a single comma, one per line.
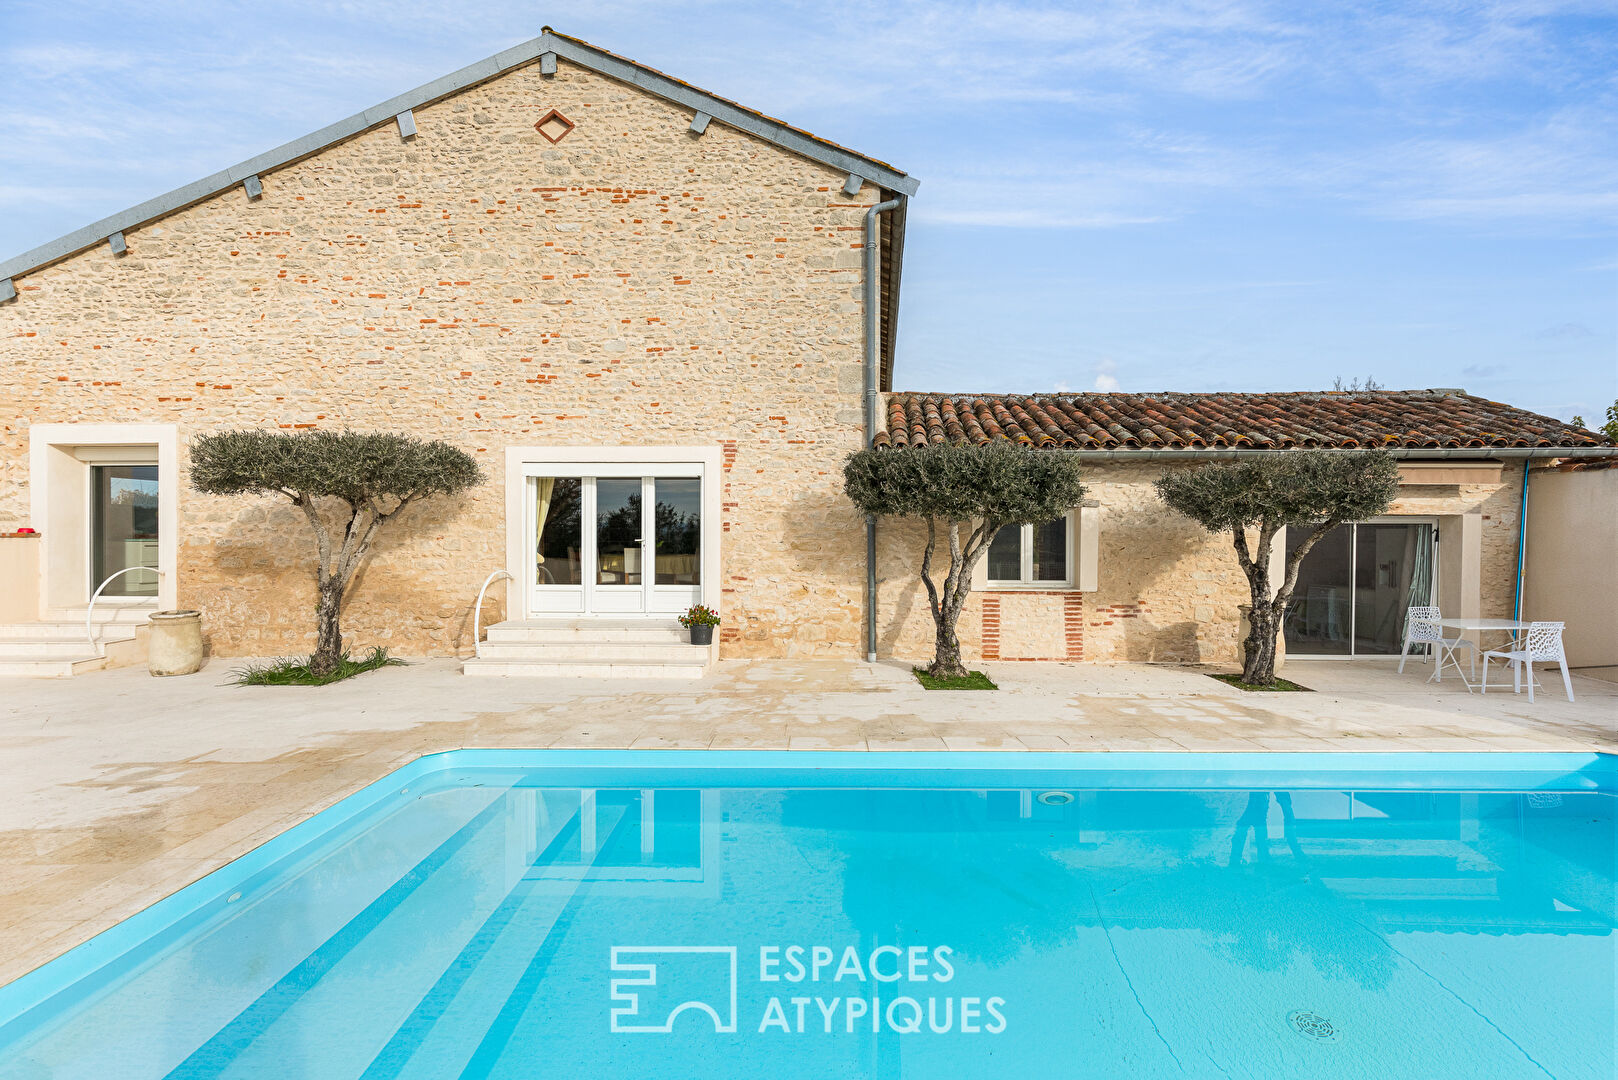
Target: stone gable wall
(629,284)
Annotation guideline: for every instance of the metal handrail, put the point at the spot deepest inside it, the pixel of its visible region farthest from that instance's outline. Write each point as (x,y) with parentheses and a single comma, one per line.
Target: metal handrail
(89,613)
(477,611)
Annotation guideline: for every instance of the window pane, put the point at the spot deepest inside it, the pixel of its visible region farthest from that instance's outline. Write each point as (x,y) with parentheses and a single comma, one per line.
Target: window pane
(1050,550)
(679,531)
(618,531)
(556,511)
(1005,554)
(125,528)
(1317,619)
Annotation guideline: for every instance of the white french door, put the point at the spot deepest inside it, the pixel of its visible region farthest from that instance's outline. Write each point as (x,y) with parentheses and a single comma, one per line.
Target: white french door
(615,539)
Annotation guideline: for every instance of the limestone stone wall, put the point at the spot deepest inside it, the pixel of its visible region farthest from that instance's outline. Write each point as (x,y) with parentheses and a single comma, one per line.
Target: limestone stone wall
(1167,590)
(630,284)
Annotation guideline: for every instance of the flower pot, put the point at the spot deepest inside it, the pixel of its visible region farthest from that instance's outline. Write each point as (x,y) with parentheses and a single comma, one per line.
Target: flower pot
(702,635)
(174,646)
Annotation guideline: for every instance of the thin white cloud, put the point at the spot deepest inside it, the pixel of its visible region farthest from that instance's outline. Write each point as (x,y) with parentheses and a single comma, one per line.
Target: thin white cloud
(1109,114)
(1106,380)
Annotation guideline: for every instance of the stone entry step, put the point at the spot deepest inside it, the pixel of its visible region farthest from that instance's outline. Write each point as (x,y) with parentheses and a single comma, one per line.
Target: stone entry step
(591,648)
(30,666)
(59,649)
(576,631)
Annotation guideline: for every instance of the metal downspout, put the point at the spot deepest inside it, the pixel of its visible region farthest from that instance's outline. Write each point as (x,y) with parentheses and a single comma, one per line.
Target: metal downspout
(873,299)
(1522,542)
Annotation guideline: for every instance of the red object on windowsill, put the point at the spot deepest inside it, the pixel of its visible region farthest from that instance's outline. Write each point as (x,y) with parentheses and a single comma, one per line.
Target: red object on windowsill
(25,532)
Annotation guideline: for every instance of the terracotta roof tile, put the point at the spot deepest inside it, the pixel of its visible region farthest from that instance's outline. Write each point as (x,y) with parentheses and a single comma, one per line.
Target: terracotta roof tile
(1392,419)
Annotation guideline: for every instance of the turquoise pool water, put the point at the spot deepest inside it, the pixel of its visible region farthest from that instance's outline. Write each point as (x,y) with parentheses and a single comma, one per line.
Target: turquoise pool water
(610,914)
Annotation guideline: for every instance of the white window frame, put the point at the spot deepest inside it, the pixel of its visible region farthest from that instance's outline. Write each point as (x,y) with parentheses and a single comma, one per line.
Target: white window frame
(1070,531)
(60,456)
(523,462)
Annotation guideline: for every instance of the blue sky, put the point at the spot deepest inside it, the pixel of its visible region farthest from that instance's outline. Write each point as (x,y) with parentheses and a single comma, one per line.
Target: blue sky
(1190,195)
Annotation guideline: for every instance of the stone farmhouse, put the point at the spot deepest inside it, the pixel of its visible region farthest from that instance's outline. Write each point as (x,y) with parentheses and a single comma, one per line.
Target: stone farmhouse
(661,320)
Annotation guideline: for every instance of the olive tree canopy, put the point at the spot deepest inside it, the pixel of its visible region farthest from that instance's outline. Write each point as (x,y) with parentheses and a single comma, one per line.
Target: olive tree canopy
(1313,490)
(374,475)
(357,467)
(983,488)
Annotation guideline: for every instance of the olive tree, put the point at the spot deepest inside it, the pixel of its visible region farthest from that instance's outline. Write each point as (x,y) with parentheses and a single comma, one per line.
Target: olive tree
(348,485)
(972,489)
(1608,429)
(1313,490)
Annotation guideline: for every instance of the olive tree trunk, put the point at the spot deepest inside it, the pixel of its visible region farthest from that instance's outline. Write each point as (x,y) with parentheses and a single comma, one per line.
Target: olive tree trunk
(328,635)
(336,570)
(1267,611)
(946,600)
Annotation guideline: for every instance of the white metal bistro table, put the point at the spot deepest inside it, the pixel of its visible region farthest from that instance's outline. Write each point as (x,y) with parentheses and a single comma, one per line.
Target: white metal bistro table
(1482,626)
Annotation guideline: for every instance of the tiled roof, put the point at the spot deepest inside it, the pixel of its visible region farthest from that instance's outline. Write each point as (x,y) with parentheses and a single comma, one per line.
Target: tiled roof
(1393,419)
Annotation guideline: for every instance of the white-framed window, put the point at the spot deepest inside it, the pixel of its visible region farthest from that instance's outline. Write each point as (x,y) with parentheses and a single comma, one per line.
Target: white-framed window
(1035,556)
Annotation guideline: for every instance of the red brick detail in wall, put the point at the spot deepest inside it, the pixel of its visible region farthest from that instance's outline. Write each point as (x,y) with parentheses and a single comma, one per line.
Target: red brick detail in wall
(991,628)
(1104,616)
(1072,626)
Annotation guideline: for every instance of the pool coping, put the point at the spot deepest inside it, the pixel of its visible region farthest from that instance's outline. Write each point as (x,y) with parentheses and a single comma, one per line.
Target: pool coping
(44,987)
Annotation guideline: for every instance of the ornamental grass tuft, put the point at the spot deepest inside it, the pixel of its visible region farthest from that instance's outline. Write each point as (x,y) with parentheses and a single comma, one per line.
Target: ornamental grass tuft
(290,672)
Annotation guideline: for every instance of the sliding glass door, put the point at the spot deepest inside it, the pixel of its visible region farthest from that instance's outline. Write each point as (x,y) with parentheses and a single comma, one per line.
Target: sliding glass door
(616,544)
(1355,586)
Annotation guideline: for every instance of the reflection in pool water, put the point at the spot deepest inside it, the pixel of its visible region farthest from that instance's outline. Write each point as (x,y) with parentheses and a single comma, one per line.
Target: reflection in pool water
(513,927)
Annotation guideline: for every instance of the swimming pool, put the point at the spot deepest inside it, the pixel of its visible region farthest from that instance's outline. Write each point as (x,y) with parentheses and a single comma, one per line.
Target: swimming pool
(511,914)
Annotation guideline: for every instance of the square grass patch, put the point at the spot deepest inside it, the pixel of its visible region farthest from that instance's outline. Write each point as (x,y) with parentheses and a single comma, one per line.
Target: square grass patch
(972,680)
(1280,685)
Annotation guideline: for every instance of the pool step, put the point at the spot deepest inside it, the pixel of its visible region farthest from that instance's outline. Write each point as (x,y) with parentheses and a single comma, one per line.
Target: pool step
(582,648)
(497,964)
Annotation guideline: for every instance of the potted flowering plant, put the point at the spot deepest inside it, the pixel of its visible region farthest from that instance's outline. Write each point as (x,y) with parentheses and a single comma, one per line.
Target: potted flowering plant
(700,620)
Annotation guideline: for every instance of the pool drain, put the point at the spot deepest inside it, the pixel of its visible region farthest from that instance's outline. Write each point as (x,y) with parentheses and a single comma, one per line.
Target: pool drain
(1055,798)
(1312,1025)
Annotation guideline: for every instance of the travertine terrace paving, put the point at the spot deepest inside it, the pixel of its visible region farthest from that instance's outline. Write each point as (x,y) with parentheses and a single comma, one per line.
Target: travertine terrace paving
(122,788)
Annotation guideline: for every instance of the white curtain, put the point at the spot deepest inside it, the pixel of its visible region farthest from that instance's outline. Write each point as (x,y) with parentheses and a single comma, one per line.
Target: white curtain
(542,509)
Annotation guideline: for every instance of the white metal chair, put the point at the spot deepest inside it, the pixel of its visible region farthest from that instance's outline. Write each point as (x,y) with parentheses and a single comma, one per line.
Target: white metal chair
(1422,628)
(1542,645)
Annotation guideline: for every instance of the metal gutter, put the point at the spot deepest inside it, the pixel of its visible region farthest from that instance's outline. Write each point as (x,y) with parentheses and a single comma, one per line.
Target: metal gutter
(548,44)
(1522,549)
(873,358)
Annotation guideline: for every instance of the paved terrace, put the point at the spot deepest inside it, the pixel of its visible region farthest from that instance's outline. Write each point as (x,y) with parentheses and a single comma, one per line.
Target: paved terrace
(121,788)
